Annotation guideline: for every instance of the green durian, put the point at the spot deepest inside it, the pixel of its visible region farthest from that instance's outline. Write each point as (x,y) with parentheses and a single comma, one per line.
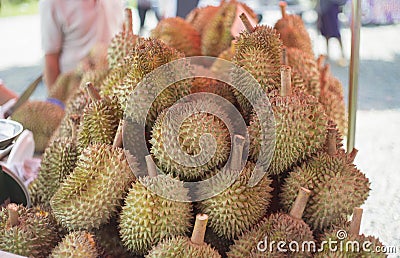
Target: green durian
(27,231)
(40,117)
(58,161)
(200,17)
(300,126)
(91,194)
(204,84)
(167,146)
(78,244)
(180,246)
(337,185)
(179,34)
(147,218)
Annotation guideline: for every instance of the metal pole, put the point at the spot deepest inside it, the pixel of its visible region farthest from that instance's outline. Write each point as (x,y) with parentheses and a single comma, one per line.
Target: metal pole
(354,69)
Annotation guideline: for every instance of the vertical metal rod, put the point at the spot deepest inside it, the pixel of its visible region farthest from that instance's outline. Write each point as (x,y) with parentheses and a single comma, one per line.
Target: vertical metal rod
(353,73)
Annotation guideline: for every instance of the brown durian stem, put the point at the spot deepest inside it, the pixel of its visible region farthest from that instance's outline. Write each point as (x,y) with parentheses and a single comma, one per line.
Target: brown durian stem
(324,78)
(331,142)
(199,229)
(353,154)
(282,5)
(12,214)
(237,152)
(320,61)
(151,166)
(128,20)
(118,135)
(286,81)
(75,119)
(93,93)
(284,56)
(356,221)
(300,203)
(246,22)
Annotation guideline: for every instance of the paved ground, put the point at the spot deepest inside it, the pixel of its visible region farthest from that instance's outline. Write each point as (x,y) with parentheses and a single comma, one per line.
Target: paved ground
(378,121)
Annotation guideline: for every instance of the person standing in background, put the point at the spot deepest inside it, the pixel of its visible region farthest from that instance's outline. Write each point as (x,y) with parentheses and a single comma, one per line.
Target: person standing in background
(70,29)
(328,23)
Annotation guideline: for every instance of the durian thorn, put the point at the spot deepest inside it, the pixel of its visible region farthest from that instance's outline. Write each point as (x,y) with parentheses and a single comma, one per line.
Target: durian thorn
(246,22)
(300,203)
(151,166)
(353,154)
(199,229)
(12,214)
(92,91)
(286,81)
(356,221)
(331,141)
(282,5)
(284,56)
(237,152)
(128,20)
(118,135)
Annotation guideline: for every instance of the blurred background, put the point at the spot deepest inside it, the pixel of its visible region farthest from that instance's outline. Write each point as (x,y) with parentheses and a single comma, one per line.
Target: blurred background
(378,117)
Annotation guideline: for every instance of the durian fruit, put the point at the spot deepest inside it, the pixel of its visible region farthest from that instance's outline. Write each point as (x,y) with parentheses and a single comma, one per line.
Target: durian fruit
(169,139)
(349,243)
(58,161)
(200,17)
(93,192)
(306,67)
(240,206)
(181,246)
(147,218)
(300,126)
(65,85)
(40,117)
(79,244)
(205,84)
(122,43)
(219,66)
(337,185)
(217,35)
(292,31)
(332,98)
(99,121)
(27,231)
(276,227)
(179,34)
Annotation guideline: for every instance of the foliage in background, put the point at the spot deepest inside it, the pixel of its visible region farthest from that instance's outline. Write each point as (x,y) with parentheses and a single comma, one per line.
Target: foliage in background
(18,7)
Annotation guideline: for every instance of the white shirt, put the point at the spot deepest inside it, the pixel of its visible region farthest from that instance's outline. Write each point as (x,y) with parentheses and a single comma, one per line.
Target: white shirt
(73,27)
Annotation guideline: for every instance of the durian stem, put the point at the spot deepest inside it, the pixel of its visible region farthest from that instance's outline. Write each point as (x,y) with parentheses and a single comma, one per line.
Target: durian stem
(246,22)
(282,5)
(128,20)
(118,136)
(237,152)
(199,230)
(93,93)
(12,214)
(286,81)
(151,166)
(331,142)
(324,78)
(75,119)
(300,203)
(353,154)
(356,221)
(320,61)
(284,56)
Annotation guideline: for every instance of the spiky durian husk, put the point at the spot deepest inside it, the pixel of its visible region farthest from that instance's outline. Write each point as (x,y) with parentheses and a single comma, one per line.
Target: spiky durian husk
(40,117)
(148,218)
(58,161)
(115,77)
(300,131)
(179,34)
(336,185)
(91,194)
(188,138)
(220,66)
(99,122)
(34,236)
(294,34)
(79,244)
(65,86)
(276,227)
(182,247)
(96,77)
(203,84)
(238,207)
(120,46)
(220,244)
(200,17)
(306,67)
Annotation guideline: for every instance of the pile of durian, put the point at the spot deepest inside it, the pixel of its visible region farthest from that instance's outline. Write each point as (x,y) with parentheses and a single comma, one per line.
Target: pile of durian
(89,203)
